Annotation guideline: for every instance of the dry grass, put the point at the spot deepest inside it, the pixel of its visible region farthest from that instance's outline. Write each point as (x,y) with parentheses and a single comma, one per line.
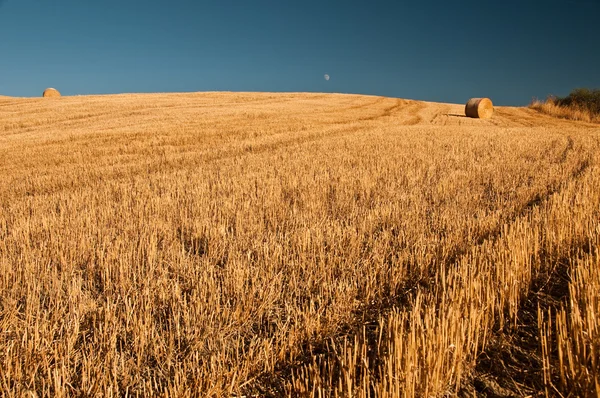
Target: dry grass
(226,244)
(572,112)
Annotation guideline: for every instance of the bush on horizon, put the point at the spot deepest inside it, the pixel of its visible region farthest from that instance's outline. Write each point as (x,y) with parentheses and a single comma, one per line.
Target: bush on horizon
(581,104)
(582,98)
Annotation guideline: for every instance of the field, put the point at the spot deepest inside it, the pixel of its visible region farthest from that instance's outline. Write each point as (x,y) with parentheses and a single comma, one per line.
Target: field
(222,244)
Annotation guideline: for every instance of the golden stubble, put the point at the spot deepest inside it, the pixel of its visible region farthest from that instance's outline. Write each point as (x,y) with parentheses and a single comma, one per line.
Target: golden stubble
(222,244)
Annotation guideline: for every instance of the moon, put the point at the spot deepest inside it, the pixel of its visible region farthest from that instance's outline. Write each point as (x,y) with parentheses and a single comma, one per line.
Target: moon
(326,77)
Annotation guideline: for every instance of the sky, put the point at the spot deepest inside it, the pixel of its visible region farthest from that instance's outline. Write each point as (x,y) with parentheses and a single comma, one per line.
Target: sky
(434,50)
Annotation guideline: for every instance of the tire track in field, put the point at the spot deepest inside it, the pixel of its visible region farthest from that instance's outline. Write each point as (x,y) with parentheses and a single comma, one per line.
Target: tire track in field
(248,147)
(184,160)
(382,113)
(401,113)
(367,317)
(405,112)
(83,117)
(386,112)
(71,119)
(409,112)
(377,101)
(511,364)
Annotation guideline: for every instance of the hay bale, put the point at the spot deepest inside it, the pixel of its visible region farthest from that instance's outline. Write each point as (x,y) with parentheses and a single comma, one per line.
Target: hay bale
(479,108)
(51,92)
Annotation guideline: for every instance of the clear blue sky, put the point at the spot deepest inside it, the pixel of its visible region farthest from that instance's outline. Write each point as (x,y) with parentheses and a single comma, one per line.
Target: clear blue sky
(432,50)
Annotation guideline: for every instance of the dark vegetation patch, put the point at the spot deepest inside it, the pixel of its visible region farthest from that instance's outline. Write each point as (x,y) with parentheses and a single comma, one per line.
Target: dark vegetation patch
(583,99)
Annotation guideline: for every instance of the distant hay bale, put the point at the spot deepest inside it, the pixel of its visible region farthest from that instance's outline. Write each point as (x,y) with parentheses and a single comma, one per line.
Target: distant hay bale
(51,92)
(479,108)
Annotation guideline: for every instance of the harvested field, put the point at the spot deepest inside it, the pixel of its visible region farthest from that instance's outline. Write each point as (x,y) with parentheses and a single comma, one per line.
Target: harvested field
(227,244)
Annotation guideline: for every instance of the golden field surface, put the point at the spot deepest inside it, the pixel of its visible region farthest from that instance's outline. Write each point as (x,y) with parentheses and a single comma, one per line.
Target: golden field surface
(221,244)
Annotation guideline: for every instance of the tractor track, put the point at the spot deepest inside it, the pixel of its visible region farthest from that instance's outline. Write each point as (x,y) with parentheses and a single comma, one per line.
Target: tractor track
(367,316)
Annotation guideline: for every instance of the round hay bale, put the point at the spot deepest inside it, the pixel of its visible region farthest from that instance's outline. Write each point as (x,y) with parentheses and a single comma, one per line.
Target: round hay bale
(479,108)
(51,92)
